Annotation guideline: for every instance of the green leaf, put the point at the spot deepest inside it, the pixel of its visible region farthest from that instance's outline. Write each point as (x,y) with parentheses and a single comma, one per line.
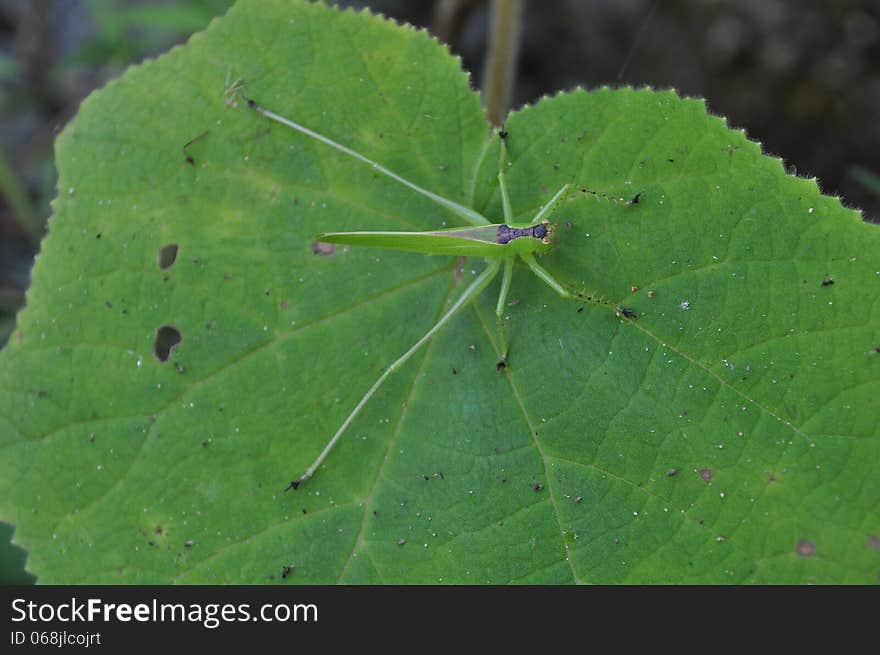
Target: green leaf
(727,432)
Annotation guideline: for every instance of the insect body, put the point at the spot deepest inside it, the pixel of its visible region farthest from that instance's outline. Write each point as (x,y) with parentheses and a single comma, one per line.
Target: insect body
(541,231)
(498,243)
(492,240)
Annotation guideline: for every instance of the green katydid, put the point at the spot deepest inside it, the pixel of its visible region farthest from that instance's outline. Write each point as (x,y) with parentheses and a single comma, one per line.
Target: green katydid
(499,243)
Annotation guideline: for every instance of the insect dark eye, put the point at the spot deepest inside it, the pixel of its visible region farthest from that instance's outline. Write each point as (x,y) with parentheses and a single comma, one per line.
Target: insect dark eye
(540,231)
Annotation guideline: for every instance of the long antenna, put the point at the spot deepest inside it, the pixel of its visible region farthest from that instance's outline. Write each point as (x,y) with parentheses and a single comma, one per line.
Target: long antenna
(638,39)
(465,213)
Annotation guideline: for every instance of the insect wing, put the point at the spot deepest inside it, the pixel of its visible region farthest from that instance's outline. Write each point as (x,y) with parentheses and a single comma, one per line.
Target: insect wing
(466,242)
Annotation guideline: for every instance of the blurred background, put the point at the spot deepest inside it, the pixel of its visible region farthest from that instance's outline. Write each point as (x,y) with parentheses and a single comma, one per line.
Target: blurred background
(800,76)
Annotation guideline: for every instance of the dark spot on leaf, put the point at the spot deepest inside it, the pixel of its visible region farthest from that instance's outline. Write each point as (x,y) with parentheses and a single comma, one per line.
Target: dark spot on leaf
(98,235)
(806,548)
(706,475)
(579,499)
(206,443)
(400,542)
(580,309)
(538,487)
(167,339)
(108,304)
(827,282)
(305,511)
(92,437)
(671,473)
(167,255)
(501,365)
(771,477)
(188,543)
(455,371)
(159,530)
(323,249)
(285,571)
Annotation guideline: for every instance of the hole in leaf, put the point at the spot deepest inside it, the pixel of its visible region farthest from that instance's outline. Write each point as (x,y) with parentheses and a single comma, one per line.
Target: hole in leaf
(806,548)
(167,256)
(324,249)
(167,338)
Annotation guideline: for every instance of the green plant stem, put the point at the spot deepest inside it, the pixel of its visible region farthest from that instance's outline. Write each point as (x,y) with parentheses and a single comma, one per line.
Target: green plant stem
(449,17)
(16,196)
(504,36)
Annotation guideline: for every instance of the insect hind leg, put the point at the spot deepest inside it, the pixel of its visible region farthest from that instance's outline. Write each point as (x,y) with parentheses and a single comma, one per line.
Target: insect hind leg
(499,310)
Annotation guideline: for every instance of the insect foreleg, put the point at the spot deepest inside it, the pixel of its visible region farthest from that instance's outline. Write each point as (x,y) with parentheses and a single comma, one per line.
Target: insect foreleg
(546,209)
(469,294)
